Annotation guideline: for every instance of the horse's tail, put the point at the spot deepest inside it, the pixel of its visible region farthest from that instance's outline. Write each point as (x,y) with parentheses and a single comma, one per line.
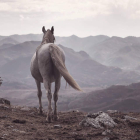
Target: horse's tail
(57,59)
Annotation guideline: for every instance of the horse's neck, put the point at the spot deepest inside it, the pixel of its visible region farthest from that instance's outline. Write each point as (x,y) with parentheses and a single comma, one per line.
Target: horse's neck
(45,41)
(42,43)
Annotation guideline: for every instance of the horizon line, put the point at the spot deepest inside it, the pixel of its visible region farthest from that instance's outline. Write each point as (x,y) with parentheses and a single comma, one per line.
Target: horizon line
(70,35)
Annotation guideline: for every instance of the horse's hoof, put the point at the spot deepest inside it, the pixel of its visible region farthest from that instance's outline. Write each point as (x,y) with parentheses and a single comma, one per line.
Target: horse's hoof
(55,117)
(40,112)
(48,119)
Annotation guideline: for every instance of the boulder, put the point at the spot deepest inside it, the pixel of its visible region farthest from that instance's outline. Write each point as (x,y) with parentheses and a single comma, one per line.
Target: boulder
(4,101)
(98,120)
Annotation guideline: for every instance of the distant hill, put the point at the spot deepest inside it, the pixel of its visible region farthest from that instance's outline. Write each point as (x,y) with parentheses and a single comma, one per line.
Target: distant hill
(7,45)
(73,41)
(8,40)
(15,51)
(122,98)
(28,37)
(78,44)
(2,37)
(110,51)
(22,38)
(116,51)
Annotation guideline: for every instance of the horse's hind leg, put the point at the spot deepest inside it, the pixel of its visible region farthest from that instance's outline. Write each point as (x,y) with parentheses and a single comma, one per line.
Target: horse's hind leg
(39,93)
(55,96)
(47,86)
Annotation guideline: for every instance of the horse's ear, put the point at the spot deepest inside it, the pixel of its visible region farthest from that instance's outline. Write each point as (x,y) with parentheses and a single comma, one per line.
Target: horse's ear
(52,29)
(43,29)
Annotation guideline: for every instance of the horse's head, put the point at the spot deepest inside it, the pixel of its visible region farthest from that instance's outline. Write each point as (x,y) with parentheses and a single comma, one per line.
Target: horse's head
(48,36)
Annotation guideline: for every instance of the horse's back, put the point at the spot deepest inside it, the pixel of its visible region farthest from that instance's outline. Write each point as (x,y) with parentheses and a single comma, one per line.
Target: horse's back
(44,50)
(44,53)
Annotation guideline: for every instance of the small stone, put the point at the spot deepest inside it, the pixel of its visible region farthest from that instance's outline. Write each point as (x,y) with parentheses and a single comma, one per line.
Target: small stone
(32,113)
(129,118)
(14,110)
(57,126)
(10,126)
(25,108)
(74,133)
(94,115)
(19,121)
(106,132)
(22,132)
(112,111)
(15,130)
(106,138)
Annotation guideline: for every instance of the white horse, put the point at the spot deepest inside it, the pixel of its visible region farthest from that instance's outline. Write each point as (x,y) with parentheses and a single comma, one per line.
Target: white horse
(47,66)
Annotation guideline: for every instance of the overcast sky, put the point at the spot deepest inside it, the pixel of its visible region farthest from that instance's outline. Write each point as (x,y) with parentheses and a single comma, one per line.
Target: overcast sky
(79,17)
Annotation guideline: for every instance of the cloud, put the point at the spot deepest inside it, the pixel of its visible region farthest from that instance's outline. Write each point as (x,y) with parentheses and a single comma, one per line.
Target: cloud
(99,16)
(73,9)
(69,9)
(23,17)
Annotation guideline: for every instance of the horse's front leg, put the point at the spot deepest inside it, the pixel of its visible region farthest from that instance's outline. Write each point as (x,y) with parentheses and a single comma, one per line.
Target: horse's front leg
(39,93)
(55,96)
(47,86)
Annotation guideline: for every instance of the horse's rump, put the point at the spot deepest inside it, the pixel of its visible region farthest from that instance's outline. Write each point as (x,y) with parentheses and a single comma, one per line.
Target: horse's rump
(57,58)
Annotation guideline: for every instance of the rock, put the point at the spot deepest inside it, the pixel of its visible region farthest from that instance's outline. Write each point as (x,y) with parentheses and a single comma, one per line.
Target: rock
(15,130)
(4,106)
(14,110)
(75,111)
(94,115)
(22,132)
(3,117)
(90,122)
(25,108)
(57,126)
(98,120)
(10,126)
(129,118)
(4,101)
(19,121)
(106,138)
(106,132)
(106,120)
(134,123)
(112,111)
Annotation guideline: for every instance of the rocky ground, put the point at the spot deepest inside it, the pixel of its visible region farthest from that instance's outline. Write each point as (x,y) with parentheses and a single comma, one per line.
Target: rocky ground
(23,123)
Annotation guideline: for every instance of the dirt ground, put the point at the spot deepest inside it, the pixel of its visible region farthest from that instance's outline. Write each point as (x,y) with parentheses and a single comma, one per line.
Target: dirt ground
(18,123)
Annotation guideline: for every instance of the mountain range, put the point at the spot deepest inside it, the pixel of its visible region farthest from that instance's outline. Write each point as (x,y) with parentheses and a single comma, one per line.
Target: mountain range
(15,65)
(94,62)
(119,97)
(110,51)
